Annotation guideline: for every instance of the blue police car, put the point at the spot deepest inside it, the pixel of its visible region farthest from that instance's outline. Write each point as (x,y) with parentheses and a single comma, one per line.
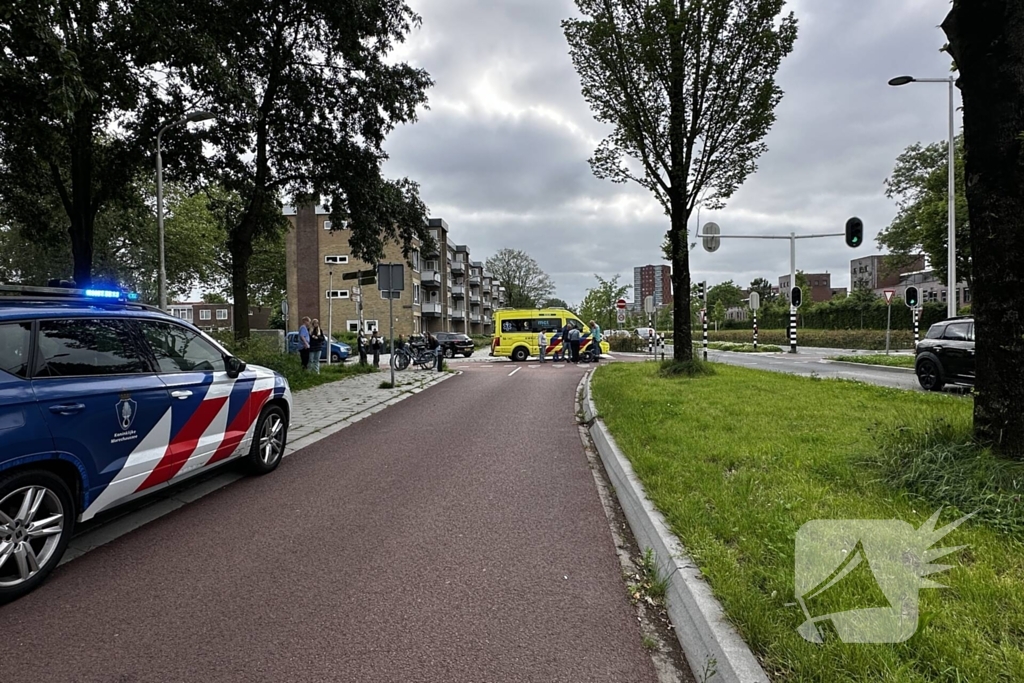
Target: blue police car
(104,400)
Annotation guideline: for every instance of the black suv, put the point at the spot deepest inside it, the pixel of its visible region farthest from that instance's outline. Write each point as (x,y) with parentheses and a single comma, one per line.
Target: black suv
(946,354)
(453,343)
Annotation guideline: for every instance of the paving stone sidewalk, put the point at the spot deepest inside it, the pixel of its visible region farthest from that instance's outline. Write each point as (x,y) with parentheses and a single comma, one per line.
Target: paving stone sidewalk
(323,410)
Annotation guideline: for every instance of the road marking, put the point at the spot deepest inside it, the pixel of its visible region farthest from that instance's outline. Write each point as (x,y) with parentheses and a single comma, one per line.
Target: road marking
(514,372)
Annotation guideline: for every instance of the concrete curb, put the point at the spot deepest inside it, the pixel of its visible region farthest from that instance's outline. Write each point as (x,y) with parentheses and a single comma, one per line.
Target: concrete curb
(710,642)
(886,368)
(115,528)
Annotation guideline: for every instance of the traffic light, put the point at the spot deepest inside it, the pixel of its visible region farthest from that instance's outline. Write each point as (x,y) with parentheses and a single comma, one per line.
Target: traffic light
(700,291)
(911,297)
(796,296)
(854,232)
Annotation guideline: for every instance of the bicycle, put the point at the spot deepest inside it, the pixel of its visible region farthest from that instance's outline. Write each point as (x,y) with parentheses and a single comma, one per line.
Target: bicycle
(421,357)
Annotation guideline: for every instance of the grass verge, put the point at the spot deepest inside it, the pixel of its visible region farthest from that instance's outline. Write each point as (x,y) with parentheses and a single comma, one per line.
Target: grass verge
(257,351)
(736,477)
(736,347)
(892,361)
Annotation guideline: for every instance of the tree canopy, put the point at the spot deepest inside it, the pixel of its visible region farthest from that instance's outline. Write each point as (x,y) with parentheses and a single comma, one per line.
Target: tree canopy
(763,288)
(599,302)
(727,293)
(524,282)
(689,90)
(920,186)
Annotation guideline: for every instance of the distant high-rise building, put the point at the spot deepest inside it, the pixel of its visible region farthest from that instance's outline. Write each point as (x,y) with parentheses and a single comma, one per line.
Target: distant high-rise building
(653,281)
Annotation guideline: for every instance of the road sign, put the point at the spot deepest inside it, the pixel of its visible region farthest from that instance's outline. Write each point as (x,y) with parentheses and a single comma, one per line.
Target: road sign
(649,304)
(889,293)
(620,316)
(711,242)
(284,308)
(620,304)
(390,276)
(755,301)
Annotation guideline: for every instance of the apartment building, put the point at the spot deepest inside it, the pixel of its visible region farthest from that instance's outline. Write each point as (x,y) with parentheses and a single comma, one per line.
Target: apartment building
(821,288)
(444,290)
(215,317)
(653,281)
(929,287)
(872,272)
(317,256)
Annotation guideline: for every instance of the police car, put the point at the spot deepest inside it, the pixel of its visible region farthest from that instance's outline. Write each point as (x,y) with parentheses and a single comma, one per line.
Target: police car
(104,400)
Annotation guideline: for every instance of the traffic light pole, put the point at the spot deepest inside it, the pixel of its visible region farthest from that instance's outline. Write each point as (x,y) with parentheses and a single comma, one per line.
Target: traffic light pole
(792,237)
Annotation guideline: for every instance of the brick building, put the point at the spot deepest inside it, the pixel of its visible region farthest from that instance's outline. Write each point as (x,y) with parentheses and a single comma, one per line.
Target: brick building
(653,281)
(821,288)
(436,284)
(872,272)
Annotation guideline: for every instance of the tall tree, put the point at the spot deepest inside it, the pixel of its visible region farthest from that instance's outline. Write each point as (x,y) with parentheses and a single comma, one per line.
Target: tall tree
(555,302)
(727,292)
(524,282)
(80,110)
(689,88)
(986,39)
(920,186)
(305,92)
(763,288)
(599,303)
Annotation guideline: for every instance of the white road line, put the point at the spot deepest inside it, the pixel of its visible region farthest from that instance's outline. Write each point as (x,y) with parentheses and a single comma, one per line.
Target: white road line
(514,372)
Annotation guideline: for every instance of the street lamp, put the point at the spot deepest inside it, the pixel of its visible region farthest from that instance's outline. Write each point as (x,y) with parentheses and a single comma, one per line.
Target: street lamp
(951,256)
(194,116)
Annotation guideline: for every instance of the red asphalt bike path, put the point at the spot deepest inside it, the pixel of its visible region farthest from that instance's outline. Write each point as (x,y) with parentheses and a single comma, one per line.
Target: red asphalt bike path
(456,536)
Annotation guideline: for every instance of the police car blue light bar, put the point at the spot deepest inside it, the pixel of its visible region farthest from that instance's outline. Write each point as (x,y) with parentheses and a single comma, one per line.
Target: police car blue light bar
(91,293)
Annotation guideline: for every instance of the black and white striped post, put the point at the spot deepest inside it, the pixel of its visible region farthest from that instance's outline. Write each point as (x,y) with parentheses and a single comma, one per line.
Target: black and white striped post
(792,330)
(917,326)
(755,303)
(704,318)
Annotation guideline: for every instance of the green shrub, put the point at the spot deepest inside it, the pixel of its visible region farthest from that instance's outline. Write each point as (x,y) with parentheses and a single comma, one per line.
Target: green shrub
(623,344)
(829,339)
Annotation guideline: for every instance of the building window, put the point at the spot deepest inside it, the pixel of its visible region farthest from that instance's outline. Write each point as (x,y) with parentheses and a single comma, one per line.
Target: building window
(222,314)
(352,325)
(415,258)
(204,314)
(337,293)
(370,325)
(415,294)
(336,259)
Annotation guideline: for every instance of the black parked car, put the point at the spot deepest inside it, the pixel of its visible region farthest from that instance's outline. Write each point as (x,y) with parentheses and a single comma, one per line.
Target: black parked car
(946,354)
(453,343)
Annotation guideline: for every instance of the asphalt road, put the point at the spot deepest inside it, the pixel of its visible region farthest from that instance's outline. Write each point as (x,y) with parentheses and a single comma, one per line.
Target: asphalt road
(456,536)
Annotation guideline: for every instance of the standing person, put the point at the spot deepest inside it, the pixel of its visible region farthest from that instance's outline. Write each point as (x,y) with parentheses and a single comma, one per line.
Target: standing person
(435,346)
(542,344)
(595,346)
(563,350)
(375,345)
(316,345)
(304,343)
(574,343)
(361,347)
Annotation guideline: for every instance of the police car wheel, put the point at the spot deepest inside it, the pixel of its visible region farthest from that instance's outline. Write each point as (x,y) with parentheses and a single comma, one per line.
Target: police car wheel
(268,441)
(37,518)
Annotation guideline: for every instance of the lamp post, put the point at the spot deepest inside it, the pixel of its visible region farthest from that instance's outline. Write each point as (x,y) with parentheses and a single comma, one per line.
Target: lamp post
(194,116)
(951,256)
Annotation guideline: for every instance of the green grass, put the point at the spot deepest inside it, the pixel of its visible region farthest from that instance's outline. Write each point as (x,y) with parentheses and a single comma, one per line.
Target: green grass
(257,351)
(739,461)
(892,361)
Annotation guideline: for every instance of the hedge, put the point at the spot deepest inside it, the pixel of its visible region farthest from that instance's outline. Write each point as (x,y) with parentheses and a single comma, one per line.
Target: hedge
(829,339)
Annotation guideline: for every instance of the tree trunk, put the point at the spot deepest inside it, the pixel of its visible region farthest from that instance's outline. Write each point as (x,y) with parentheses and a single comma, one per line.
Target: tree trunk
(987,41)
(82,215)
(682,346)
(240,247)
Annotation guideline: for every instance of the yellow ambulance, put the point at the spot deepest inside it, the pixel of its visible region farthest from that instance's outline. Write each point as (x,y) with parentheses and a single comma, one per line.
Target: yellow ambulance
(516,331)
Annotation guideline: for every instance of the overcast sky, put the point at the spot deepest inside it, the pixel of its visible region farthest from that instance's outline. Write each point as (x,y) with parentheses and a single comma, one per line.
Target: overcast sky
(502,152)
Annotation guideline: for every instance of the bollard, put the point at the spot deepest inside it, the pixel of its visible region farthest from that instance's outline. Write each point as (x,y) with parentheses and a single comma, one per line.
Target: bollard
(792,332)
(704,318)
(440,359)
(755,332)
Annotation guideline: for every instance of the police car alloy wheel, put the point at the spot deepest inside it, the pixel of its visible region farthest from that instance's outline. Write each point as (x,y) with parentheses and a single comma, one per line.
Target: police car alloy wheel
(268,442)
(36,520)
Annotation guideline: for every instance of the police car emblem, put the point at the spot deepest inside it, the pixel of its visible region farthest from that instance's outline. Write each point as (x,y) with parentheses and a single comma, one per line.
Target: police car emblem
(126,410)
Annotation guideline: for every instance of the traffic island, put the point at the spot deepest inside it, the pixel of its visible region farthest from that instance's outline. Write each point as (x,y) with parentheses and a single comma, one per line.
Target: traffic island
(719,476)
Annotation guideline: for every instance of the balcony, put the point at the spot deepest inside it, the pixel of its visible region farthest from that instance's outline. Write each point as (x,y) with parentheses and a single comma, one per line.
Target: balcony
(458,267)
(430,278)
(458,292)
(474,298)
(474,280)
(431,308)
(486,320)
(487,304)
(458,314)
(474,317)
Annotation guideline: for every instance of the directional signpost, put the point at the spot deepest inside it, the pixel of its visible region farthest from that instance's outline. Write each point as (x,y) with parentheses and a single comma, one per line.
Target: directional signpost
(889,293)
